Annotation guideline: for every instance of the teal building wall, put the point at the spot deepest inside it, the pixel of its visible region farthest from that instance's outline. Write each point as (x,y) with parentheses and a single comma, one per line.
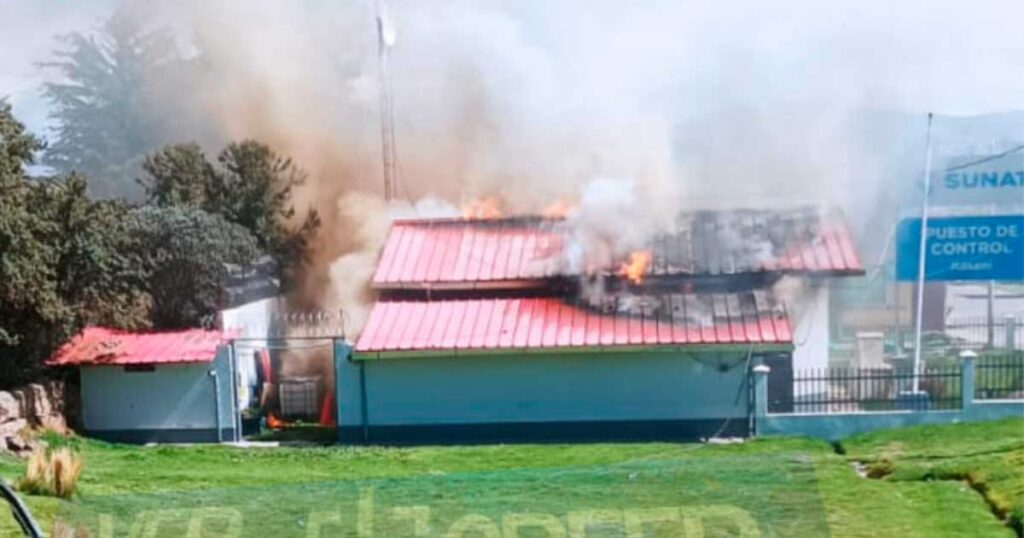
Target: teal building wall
(597,395)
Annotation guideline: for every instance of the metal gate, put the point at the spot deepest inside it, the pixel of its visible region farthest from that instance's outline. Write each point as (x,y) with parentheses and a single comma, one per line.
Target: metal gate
(780,383)
(283,372)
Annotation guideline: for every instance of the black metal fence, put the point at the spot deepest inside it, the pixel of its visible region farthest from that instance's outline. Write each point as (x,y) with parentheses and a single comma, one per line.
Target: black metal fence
(999,377)
(845,390)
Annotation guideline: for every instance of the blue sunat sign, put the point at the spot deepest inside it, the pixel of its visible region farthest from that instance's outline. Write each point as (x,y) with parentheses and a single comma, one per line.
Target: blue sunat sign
(963,248)
(998,181)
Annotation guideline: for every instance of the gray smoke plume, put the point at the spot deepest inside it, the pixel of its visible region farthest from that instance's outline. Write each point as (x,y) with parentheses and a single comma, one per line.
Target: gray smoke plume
(688,104)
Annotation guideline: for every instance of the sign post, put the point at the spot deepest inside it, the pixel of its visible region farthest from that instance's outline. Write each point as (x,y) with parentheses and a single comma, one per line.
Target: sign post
(977,248)
(947,248)
(921,255)
(958,248)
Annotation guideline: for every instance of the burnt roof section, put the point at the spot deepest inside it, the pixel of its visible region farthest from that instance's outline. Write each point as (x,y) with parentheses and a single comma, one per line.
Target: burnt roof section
(529,252)
(752,241)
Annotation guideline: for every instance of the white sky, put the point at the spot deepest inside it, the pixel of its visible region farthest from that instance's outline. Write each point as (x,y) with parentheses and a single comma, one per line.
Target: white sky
(27,30)
(967,54)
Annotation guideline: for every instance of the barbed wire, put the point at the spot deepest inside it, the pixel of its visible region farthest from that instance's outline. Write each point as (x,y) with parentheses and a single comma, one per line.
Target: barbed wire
(302,323)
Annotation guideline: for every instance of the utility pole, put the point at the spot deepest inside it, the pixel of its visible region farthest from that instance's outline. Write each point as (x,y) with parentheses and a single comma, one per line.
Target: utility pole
(385,40)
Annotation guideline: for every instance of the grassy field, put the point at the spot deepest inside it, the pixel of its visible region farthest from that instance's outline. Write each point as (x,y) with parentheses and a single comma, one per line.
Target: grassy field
(988,456)
(780,487)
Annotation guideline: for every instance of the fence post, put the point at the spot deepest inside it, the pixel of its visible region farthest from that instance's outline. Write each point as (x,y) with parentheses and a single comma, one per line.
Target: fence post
(1010,331)
(760,397)
(967,359)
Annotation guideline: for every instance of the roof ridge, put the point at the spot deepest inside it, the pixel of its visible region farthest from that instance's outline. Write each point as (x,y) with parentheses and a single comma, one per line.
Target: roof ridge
(509,252)
(821,210)
(524,218)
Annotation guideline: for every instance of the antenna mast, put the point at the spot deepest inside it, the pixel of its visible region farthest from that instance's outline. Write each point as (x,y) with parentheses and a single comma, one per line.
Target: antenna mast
(386,40)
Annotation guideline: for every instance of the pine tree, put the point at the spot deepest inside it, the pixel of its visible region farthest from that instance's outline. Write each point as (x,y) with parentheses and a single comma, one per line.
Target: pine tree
(102,104)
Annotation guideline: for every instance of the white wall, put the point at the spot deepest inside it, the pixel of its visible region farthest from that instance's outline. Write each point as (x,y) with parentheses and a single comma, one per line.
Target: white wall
(811,329)
(171,397)
(252,322)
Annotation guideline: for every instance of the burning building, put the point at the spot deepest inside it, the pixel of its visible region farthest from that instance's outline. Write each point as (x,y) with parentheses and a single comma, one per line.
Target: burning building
(491,329)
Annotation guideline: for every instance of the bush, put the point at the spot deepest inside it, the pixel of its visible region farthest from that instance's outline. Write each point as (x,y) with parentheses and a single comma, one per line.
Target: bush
(65,530)
(53,473)
(184,253)
(880,468)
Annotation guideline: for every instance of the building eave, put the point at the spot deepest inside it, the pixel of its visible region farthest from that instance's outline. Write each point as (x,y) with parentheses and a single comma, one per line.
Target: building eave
(690,349)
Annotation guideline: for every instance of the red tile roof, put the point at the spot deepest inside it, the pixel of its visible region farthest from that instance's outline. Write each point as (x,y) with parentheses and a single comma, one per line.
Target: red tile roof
(521,323)
(99,346)
(479,254)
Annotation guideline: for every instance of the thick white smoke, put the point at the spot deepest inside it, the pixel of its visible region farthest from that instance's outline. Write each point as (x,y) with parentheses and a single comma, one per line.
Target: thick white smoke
(687,104)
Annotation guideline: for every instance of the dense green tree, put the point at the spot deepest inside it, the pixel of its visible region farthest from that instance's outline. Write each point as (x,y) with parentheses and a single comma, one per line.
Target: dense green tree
(64,259)
(252,187)
(104,103)
(28,290)
(184,253)
(17,146)
(96,273)
(178,175)
(255,190)
(67,260)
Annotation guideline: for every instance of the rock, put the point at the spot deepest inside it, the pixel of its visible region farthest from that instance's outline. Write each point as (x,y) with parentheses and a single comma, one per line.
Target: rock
(31,406)
(13,438)
(54,423)
(12,427)
(10,407)
(21,396)
(55,391)
(39,401)
(21,446)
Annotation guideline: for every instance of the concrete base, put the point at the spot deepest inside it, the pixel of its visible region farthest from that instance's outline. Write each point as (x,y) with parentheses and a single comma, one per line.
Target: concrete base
(161,436)
(834,427)
(547,432)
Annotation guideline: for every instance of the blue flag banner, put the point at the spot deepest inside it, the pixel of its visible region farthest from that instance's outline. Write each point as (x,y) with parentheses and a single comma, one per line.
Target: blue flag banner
(963,248)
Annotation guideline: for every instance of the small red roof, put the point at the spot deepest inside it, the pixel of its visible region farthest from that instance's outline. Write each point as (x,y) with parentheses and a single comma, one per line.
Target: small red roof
(100,346)
(536,323)
(525,251)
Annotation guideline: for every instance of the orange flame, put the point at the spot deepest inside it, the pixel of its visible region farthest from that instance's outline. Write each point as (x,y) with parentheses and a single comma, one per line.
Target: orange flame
(482,208)
(558,210)
(636,267)
(275,423)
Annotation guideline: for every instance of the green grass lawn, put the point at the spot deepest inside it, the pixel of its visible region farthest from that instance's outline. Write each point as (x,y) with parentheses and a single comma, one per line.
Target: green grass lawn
(988,455)
(779,487)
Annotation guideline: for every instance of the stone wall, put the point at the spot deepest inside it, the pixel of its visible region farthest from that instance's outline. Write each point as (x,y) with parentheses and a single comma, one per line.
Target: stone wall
(31,407)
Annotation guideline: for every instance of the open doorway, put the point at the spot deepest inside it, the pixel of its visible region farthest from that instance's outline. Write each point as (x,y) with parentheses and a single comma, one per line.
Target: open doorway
(285,389)
(283,371)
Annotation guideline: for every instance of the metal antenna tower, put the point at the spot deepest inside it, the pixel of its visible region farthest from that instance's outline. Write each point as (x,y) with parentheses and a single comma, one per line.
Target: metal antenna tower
(385,40)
